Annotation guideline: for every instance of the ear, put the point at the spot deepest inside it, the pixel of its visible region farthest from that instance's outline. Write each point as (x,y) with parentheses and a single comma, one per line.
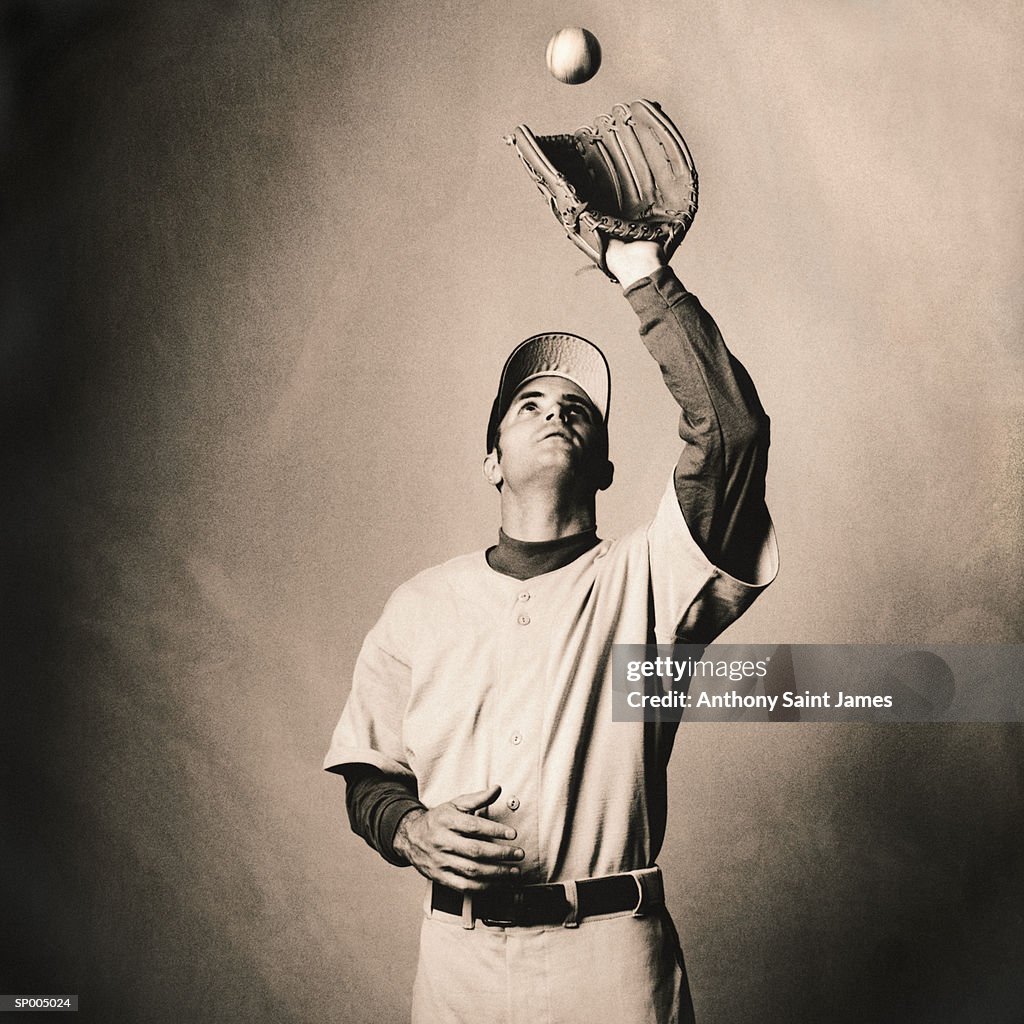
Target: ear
(492,469)
(604,475)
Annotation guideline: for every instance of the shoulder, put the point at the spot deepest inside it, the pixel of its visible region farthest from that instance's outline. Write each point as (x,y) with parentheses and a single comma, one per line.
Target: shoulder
(436,584)
(445,575)
(438,606)
(663,535)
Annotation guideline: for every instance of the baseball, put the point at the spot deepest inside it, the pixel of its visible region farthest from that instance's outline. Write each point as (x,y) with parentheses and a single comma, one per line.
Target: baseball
(573,55)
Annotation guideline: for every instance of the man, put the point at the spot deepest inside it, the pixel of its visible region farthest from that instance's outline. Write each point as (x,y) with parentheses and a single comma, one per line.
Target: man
(478,743)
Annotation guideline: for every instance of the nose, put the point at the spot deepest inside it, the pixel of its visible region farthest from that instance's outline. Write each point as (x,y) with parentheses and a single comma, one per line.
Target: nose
(559,410)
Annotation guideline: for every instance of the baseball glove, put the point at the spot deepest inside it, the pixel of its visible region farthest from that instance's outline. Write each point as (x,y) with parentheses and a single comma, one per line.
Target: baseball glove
(629,176)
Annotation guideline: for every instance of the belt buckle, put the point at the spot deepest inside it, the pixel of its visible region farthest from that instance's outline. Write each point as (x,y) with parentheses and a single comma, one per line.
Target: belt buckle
(514,915)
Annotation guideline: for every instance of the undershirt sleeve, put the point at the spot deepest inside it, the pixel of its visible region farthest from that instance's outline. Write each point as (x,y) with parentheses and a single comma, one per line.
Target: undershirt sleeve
(720,475)
(376,803)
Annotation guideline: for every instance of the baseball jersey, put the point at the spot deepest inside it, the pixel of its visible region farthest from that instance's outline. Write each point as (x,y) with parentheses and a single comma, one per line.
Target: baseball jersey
(472,678)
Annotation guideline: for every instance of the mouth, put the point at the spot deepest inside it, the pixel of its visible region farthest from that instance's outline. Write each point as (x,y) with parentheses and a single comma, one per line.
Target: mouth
(559,434)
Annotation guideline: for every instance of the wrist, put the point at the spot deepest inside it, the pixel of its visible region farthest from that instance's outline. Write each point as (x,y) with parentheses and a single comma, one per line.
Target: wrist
(401,843)
(632,261)
(390,817)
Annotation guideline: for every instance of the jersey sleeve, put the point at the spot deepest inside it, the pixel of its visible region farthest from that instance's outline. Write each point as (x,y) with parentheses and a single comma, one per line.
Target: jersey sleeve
(720,475)
(694,599)
(370,728)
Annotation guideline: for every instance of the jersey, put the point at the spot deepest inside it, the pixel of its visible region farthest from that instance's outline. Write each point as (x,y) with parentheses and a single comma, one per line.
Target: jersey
(472,678)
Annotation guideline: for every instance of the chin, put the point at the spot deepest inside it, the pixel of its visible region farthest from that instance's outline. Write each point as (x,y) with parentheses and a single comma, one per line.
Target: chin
(556,469)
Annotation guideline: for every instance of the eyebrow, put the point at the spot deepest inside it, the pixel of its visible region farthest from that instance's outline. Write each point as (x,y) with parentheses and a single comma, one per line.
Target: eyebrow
(568,396)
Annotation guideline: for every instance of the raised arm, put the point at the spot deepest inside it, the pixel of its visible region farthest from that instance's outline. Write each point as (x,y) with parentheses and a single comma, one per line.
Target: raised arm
(719,478)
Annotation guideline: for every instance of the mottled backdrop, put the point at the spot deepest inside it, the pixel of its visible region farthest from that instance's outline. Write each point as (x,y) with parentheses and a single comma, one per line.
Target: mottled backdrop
(259,265)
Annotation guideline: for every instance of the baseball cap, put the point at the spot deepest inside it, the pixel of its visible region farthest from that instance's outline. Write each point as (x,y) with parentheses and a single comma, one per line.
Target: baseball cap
(552,355)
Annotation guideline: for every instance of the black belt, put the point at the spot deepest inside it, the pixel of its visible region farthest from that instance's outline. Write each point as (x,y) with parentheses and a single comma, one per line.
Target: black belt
(548,904)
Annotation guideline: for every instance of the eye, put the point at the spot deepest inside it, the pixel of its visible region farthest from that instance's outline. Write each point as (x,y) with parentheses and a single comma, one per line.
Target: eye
(528,406)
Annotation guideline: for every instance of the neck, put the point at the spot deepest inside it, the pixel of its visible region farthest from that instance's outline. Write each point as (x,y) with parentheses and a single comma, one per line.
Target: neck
(544,516)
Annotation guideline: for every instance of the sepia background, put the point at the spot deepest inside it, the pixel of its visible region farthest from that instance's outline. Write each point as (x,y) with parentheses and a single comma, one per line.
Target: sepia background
(260,263)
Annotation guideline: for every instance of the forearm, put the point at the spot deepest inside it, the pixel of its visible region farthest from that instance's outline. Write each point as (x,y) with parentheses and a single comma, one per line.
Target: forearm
(376,804)
(720,474)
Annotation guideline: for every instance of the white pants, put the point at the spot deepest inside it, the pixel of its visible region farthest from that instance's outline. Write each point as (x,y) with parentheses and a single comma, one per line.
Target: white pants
(616,969)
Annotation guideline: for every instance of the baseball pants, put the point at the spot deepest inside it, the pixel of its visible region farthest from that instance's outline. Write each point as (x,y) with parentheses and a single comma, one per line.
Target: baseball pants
(615,969)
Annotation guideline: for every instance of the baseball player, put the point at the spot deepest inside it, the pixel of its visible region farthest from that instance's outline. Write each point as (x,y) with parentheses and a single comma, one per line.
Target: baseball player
(478,743)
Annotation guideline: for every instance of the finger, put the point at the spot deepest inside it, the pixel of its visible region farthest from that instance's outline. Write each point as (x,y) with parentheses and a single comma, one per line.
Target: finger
(474,825)
(470,802)
(605,191)
(635,157)
(463,884)
(480,850)
(660,138)
(603,153)
(478,871)
(667,154)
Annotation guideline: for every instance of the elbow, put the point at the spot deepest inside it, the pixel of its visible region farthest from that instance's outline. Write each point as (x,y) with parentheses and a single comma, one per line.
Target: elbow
(751,435)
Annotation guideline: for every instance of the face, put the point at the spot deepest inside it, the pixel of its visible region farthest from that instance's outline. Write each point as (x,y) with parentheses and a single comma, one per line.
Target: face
(549,430)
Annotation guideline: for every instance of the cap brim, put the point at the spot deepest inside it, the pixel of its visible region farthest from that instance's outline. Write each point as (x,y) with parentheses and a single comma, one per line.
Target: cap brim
(553,355)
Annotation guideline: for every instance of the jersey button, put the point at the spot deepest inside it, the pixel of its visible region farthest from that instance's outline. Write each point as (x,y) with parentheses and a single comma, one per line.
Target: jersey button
(517,738)
(513,803)
(524,596)
(523,620)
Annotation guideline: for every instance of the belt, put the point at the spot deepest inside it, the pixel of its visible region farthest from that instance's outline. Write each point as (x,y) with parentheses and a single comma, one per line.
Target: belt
(554,903)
